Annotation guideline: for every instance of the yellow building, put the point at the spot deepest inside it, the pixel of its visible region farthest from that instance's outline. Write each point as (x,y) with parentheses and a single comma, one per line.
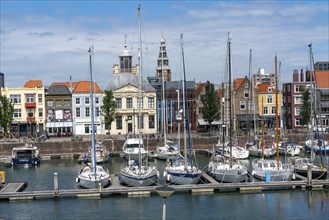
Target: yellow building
(267,104)
(29,108)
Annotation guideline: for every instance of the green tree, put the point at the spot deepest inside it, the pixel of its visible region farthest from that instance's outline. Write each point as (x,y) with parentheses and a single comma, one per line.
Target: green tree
(6,113)
(109,108)
(211,104)
(305,112)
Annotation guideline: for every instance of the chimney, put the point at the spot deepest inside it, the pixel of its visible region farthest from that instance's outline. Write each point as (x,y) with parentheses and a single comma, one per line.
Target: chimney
(71,87)
(295,76)
(308,76)
(301,75)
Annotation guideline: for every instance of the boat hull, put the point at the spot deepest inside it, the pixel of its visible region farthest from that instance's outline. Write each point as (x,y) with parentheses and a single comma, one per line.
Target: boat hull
(316,174)
(131,179)
(26,161)
(90,180)
(93,184)
(182,177)
(275,175)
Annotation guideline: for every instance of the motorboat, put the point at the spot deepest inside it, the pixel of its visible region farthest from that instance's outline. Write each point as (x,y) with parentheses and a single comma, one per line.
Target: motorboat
(27,155)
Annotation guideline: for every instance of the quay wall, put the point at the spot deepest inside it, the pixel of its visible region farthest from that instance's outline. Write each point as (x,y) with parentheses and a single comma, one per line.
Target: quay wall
(62,146)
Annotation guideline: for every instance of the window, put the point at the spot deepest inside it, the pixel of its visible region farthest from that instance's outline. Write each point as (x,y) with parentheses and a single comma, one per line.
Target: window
(265,110)
(151,102)
(288,89)
(29,98)
(97,100)
(87,100)
(40,99)
(87,129)
(151,121)
(129,103)
(273,110)
(242,105)
(298,100)
(269,99)
(87,111)
(77,101)
(17,113)
(246,85)
(30,112)
(97,112)
(142,122)
(140,102)
(77,112)
(300,88)
(269,89)
(246,93)
(15,99)
(40,110)
(297,111)
(251,105)
(119,103)
(119,122)
(50,103)
(67,102)
(298,122)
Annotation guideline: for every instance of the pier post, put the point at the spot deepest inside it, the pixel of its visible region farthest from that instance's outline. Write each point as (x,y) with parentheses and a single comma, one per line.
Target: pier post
(112,146)
(56,193)
(309,175)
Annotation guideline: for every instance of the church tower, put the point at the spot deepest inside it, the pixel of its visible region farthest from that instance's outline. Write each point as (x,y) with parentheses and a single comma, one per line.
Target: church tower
(125,59)
(163,62)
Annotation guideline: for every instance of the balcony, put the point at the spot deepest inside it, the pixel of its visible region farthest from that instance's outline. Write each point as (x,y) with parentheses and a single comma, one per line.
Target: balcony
(30,119)
(30,105)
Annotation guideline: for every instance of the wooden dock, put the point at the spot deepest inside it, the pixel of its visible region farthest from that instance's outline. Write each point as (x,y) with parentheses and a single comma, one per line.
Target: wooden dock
(13,187)
(116,188)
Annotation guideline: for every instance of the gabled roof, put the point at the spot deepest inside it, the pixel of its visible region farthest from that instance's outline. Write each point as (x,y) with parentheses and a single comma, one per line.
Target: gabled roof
(200,87)
(58,90)
(84,87)
(33,84)
(219,92)
(123,79)
(238,82)
(322,79)
(263,88)
(67,84)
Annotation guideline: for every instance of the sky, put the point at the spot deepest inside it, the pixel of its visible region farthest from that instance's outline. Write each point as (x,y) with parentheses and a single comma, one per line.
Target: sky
(49,40)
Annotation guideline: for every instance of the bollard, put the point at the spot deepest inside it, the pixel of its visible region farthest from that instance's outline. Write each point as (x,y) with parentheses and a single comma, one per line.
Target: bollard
(99,187)
(112,146)
(309,175)
(56,193)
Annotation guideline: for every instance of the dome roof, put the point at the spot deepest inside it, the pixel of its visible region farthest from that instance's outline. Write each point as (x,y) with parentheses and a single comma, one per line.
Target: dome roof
(125,51)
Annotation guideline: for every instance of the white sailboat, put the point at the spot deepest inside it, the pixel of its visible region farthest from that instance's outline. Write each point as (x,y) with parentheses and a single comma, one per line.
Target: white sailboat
(319,145)
(228,169)
(272,170)
(182,170)
(92,175)
(167,149)
(139,172)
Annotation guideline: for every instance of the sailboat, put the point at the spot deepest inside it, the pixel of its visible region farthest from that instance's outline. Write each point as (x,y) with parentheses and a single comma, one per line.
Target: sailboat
(301,164)
(182,170)
(92,175)
(228,169)
(167,149)
(272,170)
(139,172)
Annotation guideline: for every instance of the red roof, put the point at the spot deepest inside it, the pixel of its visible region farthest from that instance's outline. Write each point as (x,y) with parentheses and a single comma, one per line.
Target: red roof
(237,83)
(322,79)
(263,88)
(199,88)
(33,84)
(84,86)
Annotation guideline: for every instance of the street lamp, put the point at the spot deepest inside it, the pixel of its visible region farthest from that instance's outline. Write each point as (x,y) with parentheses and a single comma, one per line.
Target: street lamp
(164,192)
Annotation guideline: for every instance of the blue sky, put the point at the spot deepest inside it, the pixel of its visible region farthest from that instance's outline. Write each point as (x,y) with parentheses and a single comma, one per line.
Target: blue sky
(48,40)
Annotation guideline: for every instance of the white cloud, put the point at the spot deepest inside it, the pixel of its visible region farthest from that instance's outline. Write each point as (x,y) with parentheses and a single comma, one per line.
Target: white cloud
(38,46)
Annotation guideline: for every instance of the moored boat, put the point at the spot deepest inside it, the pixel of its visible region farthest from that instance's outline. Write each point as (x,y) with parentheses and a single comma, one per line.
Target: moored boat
(27,155)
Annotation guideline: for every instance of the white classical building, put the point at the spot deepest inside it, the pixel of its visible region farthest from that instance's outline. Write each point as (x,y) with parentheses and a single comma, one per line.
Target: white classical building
(125,88)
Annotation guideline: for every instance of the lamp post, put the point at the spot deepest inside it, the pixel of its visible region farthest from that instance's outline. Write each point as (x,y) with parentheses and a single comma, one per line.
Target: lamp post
(164,192)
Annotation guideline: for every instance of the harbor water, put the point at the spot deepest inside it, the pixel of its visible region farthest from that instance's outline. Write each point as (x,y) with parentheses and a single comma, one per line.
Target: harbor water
(282,204)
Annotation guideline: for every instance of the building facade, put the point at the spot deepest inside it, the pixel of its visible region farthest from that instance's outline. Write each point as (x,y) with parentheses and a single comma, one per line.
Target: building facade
(29,110)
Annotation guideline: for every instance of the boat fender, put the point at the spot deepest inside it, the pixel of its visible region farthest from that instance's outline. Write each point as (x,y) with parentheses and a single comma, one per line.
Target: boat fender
(164,173)
(77,180)
(168,177)
(253,172)
(158,174)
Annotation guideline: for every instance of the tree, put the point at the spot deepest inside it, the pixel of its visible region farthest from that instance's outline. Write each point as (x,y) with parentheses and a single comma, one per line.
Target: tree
(6,113)
(211,104)
(109,108)
(305,112)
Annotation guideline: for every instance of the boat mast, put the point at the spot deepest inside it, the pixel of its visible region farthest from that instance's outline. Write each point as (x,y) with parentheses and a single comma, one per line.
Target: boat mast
(90,51)
(184,100)
(276,112)
(230,93)
(139,87)
(248,105)
(164,103)
(263,130)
